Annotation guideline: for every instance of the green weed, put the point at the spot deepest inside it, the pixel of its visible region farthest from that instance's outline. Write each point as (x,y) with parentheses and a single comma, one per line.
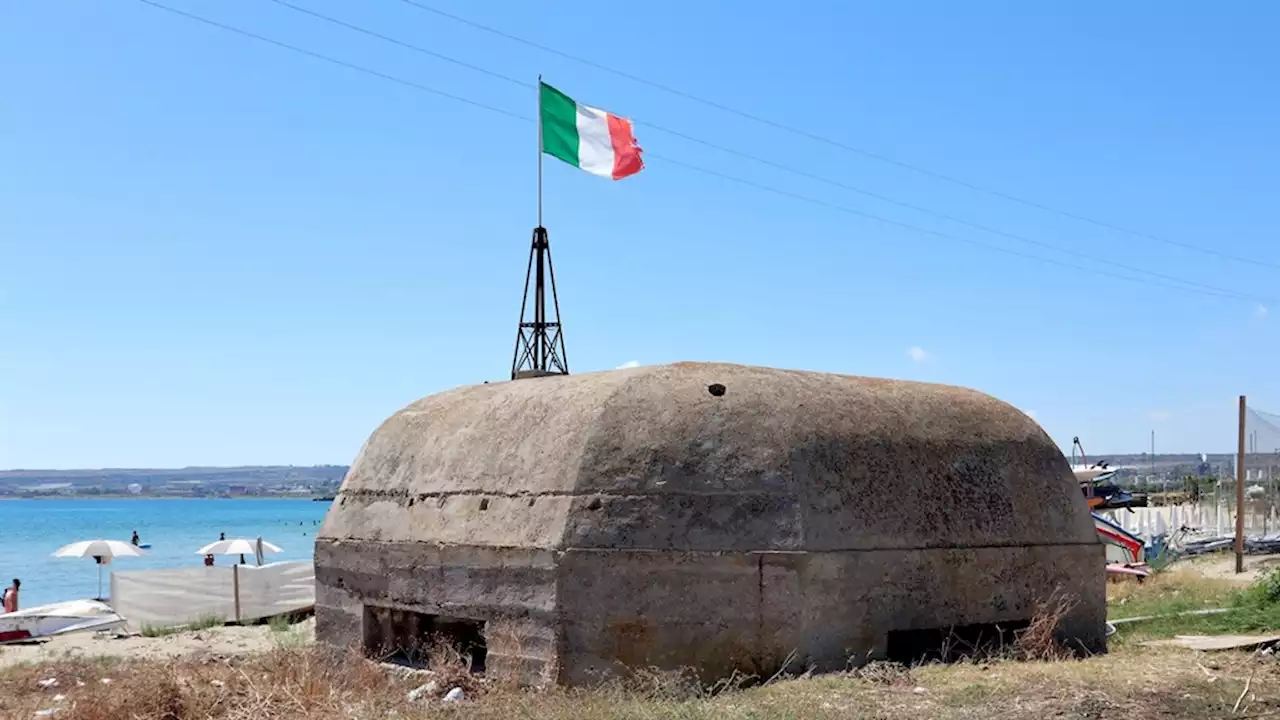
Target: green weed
(204,622)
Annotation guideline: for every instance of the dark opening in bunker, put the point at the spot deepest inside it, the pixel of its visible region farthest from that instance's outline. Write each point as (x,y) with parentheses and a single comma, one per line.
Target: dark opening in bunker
(414,639)
(950,644)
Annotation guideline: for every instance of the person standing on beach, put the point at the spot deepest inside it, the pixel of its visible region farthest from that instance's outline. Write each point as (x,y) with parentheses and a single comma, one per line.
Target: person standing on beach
(11,596)
(136,540)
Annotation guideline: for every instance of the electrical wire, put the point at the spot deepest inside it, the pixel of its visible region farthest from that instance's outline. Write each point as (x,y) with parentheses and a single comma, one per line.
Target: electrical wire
(1206,290)
(838,144)
(403,44)
(763,161)
(333,60)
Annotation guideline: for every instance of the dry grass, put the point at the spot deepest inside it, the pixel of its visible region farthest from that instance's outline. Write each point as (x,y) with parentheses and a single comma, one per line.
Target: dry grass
(1041,640)
(1175,590)
(1030,679)
(314,683)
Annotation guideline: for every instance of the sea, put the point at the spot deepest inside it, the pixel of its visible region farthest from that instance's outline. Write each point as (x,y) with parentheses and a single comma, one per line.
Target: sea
(31,530)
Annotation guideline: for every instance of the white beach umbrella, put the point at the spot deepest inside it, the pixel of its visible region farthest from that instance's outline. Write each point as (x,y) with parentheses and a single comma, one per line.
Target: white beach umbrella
(239,546)
(100,550)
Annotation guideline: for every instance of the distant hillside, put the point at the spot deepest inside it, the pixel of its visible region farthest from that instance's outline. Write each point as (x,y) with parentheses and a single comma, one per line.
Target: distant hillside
(191,481)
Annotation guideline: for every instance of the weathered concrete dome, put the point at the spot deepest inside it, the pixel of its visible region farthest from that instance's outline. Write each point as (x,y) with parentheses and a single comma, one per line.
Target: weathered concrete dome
(644,517)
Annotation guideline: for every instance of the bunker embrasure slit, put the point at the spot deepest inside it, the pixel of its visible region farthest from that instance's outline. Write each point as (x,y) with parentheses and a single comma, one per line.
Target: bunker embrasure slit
(414,639)
(951,644)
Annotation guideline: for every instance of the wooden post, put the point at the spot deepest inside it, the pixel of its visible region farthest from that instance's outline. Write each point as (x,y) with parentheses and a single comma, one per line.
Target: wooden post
(236,588)
(1240,493)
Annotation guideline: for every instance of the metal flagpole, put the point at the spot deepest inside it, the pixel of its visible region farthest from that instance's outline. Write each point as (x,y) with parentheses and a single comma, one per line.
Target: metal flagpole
(539,149)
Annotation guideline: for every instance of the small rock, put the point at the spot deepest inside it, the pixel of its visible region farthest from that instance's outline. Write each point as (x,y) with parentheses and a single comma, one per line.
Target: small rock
(106,681)
(217,683)
(79,683)
(919,691)
(59,698)
(46,713)
(48,683)
(454,695)
(1212,665)
(425,689)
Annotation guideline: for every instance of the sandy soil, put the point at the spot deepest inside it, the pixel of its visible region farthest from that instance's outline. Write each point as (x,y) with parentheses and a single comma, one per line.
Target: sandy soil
(1223,566)
(222,641)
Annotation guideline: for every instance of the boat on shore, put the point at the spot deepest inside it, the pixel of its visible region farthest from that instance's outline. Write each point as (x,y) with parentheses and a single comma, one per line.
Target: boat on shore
(46,621)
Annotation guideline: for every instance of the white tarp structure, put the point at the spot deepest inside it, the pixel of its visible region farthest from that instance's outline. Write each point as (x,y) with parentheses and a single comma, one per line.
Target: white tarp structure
(234,593)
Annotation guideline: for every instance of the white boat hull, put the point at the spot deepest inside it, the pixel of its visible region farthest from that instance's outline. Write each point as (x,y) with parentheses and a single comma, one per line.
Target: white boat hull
(60,618)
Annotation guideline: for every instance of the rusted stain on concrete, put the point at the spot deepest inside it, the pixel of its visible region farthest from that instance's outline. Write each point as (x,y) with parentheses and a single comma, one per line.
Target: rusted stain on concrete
(632,640)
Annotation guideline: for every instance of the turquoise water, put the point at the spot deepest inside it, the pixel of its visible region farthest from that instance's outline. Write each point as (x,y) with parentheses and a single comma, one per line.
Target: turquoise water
(31,530)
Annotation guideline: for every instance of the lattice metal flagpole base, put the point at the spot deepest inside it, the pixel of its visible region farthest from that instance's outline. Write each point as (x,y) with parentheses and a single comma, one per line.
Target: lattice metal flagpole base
(540,349)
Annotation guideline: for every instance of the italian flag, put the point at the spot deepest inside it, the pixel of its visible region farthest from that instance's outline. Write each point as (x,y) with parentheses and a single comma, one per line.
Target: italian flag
(587,138)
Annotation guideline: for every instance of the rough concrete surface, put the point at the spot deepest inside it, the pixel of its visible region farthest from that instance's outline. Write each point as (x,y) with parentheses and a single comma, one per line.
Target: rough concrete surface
(632,517)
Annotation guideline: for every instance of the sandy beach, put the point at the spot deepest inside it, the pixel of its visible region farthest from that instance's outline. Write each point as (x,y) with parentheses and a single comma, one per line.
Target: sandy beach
(215,642)
(1223,566)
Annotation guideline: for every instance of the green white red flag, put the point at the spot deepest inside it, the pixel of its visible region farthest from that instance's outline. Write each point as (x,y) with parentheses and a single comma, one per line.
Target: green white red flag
(588,138)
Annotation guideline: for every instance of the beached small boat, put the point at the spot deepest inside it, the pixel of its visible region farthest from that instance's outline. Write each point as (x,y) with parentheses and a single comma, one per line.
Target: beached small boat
(1122,546)
(57,619)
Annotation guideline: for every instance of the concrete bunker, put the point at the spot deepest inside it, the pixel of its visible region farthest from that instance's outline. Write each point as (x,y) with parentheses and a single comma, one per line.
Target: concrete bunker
(589,523)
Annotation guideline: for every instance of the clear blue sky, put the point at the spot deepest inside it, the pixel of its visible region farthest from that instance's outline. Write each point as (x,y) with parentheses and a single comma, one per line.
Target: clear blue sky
(215,251)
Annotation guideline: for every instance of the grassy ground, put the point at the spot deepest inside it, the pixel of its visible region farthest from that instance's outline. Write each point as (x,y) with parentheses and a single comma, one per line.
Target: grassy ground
(314,684)
(297,680)
(1252,609)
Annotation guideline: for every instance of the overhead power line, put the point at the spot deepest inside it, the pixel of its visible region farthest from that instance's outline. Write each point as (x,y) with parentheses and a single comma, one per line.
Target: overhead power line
(757,159)
(1187,287)
(333,60)
(403,44)
(838,144)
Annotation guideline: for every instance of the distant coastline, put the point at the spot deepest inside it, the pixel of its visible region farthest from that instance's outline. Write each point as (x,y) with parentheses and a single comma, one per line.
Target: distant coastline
(281,482)
(264,498)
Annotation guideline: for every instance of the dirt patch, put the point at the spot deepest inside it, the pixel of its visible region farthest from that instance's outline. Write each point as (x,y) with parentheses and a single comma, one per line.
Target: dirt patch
(1223,566)
(215,642)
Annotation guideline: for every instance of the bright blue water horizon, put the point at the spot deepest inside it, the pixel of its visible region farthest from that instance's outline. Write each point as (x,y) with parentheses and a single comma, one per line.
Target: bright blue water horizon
(34,529)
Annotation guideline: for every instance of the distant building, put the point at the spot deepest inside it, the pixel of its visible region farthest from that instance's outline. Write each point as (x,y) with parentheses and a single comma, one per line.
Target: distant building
(134,489)
(49,488)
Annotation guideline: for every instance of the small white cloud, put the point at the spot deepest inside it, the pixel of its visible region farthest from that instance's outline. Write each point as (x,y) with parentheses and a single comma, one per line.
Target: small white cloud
(1158,415)
(1261,311)
(629,364)
(917,354)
